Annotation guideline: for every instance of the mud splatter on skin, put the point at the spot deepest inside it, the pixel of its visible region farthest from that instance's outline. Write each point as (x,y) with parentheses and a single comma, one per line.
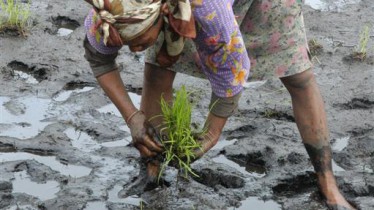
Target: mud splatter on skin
(320,157)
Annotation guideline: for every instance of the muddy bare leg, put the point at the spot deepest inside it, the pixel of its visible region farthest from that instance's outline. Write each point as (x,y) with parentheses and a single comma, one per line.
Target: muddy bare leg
(157,82)
(311,120)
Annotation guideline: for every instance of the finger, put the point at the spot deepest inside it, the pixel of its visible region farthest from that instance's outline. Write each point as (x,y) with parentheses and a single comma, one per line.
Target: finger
(206,144)
(151,145)
(151,131)
(144,151)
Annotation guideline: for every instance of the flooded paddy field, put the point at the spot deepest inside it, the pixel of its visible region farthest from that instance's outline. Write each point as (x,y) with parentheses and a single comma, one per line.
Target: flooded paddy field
(63,145)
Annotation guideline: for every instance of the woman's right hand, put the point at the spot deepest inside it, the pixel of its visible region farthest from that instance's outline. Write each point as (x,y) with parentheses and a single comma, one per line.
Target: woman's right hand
(144,136)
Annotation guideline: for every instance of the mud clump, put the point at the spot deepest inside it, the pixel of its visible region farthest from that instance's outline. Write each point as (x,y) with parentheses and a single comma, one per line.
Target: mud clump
(39,71)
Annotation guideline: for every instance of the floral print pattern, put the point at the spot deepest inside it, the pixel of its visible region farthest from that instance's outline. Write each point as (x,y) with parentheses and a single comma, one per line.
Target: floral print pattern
(218,50)
(274,37)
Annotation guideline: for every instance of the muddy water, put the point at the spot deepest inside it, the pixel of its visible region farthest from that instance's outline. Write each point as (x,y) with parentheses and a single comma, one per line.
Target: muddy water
(45,191)
(257,203)
(60,134)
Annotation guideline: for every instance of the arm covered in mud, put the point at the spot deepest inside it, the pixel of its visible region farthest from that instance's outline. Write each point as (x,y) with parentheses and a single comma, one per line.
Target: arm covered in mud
(106,71)
(221,109)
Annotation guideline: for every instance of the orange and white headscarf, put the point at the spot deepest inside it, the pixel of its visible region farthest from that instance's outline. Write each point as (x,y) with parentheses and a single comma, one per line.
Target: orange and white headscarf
(120,21)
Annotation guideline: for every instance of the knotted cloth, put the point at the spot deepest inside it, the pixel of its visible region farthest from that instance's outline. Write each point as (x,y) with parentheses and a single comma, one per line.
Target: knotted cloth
(120,21)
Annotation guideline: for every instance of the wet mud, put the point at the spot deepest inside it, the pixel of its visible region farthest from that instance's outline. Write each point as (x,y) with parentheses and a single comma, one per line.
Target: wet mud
(63,145)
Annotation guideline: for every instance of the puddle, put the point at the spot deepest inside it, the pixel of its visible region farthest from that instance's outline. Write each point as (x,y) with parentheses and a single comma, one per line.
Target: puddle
(113,197)
(222,143)
(64,32)
(133,200)
(328,5)
(26,77)
(46,191)
(97,205)
(111,108)
(23,207)
(81,140)
(341,143)
(50,161)
(23,116)
(85,143)
(257,203)
(64,95)
(120,143)
(252,171)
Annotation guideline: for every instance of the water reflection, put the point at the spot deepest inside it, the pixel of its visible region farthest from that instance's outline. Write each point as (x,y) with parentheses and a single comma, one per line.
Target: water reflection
(256,203)
(64,95)
(340,143)
(29,79)
(50,161)
(132,200)
(27,122)
(45,191)
(64,32)
(111,108)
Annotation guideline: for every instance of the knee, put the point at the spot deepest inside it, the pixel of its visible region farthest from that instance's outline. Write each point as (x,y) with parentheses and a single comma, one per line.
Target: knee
(299,81)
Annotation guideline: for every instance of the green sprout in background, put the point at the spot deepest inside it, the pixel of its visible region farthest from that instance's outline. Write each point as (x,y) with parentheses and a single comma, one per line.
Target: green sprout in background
(14,15)
(360,52)
(180,142)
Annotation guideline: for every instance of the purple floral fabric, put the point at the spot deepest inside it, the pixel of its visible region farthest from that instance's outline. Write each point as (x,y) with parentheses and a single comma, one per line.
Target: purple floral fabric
(218,52)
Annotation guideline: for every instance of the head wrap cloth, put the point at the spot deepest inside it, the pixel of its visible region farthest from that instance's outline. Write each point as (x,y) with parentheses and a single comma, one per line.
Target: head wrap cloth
(120,21)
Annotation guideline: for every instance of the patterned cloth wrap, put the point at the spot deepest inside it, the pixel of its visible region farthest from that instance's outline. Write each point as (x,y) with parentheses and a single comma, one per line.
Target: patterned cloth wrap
(115,22)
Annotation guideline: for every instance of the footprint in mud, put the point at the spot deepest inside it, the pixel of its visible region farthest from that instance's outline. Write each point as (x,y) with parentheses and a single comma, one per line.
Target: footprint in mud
(38,72)
(63,26)
(218,176)
(357,103)
(73,87)
(252,164)
(277,115)
(301,183)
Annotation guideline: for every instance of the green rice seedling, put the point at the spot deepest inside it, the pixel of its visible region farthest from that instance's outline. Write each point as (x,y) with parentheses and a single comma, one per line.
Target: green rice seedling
(16,15)
(178,138)
(360,52)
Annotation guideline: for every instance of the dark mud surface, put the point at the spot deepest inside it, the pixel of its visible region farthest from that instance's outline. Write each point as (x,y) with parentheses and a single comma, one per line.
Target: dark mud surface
(64,146)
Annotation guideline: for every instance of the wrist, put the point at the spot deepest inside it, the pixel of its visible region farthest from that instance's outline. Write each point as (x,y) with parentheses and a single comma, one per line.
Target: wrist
(130,118)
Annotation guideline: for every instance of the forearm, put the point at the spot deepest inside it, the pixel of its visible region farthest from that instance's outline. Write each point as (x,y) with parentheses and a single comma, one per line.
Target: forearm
(113,86)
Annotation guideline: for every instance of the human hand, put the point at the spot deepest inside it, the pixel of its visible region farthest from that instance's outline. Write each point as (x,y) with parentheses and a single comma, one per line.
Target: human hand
(144,136)
(207,141)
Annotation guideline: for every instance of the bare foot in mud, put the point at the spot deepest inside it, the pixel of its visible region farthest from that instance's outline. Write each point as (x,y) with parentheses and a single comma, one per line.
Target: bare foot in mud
(147,179)
(333,198)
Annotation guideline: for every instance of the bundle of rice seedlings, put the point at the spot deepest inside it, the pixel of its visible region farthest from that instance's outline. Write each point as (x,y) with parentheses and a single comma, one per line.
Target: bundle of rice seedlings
(178,138)
(16,15)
